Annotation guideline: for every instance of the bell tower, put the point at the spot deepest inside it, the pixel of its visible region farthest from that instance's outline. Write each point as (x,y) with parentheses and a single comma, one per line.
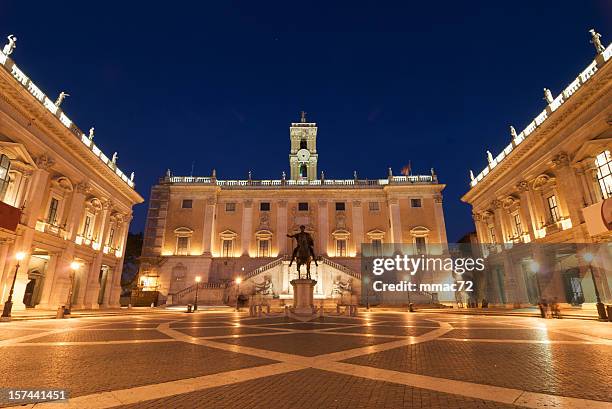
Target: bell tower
(303,155)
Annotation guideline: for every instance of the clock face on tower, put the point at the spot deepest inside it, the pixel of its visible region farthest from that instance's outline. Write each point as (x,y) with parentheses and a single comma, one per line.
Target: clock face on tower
(303,155)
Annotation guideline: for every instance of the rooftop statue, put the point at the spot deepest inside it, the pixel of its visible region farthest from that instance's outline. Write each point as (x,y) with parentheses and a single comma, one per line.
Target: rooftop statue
(596,41)
(513,132)
(114,159)
(60,98)
(132,177)
(489,156)
(10,46)
(472,175)
(548,96)
(91,133)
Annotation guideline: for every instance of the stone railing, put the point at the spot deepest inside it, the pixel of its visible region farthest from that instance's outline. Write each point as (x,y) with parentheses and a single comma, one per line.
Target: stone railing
(265,267)
(288,183)
(556,103)
(179,294)
(340,267)
(27,83)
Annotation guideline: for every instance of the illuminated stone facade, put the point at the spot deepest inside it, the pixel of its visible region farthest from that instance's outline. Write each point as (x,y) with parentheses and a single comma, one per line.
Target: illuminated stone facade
(549,186)
(61,200)
(224,229)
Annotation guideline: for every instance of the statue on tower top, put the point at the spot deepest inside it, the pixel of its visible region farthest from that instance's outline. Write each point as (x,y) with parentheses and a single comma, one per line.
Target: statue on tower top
(302,116)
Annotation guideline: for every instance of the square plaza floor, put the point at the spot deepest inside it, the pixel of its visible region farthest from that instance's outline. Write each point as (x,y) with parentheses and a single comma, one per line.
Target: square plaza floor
(376,360)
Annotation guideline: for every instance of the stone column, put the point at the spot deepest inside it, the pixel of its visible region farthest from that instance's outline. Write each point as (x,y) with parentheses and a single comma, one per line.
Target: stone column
(357,226)
(60,285)
(583,172)
(208,234)
(500,233)
(33,210)
(569,189)
(50,277)
(396,223)
(481,231)
(281,227)
(92,282)
(5,244)
(247,227)
(527,211)
(439,214)
(323,227)
(75,212)
(114,288)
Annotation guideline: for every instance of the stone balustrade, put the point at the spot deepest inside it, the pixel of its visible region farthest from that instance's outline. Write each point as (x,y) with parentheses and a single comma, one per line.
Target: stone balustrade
(556,103)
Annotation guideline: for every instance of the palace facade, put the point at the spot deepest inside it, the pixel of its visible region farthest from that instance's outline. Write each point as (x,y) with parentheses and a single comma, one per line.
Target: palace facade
(221,230)
(540,202)
(64,205)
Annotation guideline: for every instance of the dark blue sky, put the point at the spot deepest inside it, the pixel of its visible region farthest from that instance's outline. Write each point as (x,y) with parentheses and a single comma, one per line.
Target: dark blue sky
(218,83)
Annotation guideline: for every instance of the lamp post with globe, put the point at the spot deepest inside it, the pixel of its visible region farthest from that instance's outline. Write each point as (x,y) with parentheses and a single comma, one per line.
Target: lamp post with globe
(8,305)
(238,281)
(74,267)
(195,303)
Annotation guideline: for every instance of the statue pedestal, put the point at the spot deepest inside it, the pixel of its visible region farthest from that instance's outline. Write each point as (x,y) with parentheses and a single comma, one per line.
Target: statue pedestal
(303,295)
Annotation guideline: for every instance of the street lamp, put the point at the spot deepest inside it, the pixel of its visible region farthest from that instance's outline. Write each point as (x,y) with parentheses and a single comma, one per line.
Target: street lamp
(238,281)
(407,280)
(8,305)
(601,309)
(195,304)
(74,266)
(366,281)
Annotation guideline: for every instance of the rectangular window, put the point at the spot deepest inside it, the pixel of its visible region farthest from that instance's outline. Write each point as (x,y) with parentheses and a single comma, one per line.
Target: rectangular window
(340,206)
(187,204)
(87,226)
(228,248)
(421,246)
(264,248)
(377,247)
(341,248)
(553,208)
(230,207)
(264,206)
(604,173)
(303,206)
(415,203)
(5,166)
(182,246)
(374,206)
(52,215)
(111,235)
(517,224)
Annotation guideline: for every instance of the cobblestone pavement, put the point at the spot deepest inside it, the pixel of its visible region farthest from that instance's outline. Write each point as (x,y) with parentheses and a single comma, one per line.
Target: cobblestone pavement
(376,360)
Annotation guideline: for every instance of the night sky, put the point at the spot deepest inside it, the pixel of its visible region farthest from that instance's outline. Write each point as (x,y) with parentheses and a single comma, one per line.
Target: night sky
(218,83)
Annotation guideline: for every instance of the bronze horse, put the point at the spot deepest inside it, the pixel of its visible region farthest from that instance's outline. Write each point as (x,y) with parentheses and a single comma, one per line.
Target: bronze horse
(303,257)
(303,253)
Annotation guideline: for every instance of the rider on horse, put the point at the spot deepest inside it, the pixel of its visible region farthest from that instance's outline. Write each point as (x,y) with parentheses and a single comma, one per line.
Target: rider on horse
(303,239)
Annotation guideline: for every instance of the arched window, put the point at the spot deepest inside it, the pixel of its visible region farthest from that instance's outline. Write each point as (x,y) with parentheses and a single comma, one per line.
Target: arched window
(303,170)
(5,166)
(303,144)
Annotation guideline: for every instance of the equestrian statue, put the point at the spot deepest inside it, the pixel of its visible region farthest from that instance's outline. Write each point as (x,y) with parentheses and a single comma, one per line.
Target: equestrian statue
(303,254)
